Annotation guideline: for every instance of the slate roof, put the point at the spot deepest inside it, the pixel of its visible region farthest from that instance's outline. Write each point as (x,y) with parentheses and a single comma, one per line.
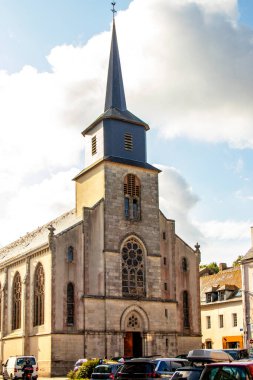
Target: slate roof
(115,100)
(230,278)
(37,238)
(248,256)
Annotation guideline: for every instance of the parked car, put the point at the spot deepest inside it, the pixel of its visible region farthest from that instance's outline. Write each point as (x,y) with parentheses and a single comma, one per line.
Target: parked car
(208,356)
(237,354)
(198,359)
(12,369)
(228,371)
(137,369)
(167,366)
(105,371)
(189,373)
(78,364)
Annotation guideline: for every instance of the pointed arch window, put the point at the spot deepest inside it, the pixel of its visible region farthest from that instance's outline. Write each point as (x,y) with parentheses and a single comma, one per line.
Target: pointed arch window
(133,269)
(186,313)
(132,193)
(39,296)
(16,302)
(70,304)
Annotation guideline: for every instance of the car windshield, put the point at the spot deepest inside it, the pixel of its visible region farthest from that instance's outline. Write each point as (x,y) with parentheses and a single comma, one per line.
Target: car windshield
(225,372)
(103,369)
(137,368)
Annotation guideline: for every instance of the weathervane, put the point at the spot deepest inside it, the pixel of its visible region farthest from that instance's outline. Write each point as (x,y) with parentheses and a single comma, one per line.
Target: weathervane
(113,8)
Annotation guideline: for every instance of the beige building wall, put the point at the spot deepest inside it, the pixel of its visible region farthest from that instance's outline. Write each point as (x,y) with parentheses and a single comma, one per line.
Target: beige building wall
(247,285)
(90,187)
(215,333)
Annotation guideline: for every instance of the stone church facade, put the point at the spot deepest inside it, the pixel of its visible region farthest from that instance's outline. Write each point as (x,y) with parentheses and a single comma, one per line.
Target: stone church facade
(110,277)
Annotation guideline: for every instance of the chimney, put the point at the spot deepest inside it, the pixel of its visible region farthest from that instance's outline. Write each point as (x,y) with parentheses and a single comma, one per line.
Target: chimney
(222,266)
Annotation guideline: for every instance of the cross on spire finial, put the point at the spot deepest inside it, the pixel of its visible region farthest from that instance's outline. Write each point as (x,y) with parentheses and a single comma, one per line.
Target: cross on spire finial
(113,8)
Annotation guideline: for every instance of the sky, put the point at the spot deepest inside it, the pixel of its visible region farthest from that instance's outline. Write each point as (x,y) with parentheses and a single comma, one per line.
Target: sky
(187,70)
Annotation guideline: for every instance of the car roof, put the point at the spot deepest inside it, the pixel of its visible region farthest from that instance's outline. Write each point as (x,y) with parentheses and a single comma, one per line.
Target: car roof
(233,364)
(144,360)
(192,368)
(177,359)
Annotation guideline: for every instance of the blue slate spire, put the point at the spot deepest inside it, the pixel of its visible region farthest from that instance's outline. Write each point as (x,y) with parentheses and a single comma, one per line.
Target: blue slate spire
(115,94)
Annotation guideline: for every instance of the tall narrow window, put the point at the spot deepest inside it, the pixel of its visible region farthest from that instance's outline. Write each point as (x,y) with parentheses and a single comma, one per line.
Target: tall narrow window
(39,296)
(132,269)
(16,302)
(184,264)
(186,310)
(221,321)
(132,190)
(94,145)
(208,322)
(70,304)
(234,319)
(70,254)
(128,141)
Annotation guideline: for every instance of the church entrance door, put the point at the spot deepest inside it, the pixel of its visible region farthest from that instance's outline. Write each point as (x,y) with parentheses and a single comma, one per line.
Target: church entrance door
(133,344)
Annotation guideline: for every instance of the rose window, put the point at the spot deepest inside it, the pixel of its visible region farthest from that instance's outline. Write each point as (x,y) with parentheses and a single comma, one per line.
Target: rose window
(133,321)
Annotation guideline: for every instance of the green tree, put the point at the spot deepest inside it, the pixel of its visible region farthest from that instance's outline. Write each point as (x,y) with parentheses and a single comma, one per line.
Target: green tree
(213,267)
(237,262)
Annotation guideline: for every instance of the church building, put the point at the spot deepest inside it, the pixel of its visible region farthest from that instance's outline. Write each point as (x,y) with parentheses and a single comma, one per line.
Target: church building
(111,277)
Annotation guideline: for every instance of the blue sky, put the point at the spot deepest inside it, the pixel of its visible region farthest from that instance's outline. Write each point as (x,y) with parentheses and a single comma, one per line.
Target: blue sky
(187,68)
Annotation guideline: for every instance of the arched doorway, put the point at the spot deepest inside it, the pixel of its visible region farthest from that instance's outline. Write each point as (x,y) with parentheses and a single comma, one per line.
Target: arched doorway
(133,340)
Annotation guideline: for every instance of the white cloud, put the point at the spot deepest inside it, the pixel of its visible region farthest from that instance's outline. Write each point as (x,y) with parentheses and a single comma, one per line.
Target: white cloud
(176,201)
(30,206)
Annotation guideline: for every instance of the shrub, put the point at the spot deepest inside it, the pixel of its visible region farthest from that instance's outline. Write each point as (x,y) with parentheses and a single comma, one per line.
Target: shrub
(71,374)
(86,369)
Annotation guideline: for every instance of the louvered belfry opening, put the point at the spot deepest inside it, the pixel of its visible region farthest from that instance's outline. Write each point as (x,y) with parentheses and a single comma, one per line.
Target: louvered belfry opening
(132,190)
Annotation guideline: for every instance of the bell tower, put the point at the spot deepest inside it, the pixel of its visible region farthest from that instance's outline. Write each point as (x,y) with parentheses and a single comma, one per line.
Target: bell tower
(116,136)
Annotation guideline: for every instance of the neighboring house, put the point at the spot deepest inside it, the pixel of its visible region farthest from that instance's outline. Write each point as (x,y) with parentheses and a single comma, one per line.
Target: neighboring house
(111,277)
(221,309)
(247,284)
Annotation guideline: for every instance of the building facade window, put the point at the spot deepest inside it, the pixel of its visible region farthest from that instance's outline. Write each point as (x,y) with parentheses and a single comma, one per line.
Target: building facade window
(132,193)
(164,261)
(208,297)
(94,145)
(221,295)
(184,264)
(208,322)
(221,321)
(164,235)
(209,344)
(70,304)
(165,286)
(186,311)
(39,296)
(16,302)
(70,254)
(133,283)
(234,319)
